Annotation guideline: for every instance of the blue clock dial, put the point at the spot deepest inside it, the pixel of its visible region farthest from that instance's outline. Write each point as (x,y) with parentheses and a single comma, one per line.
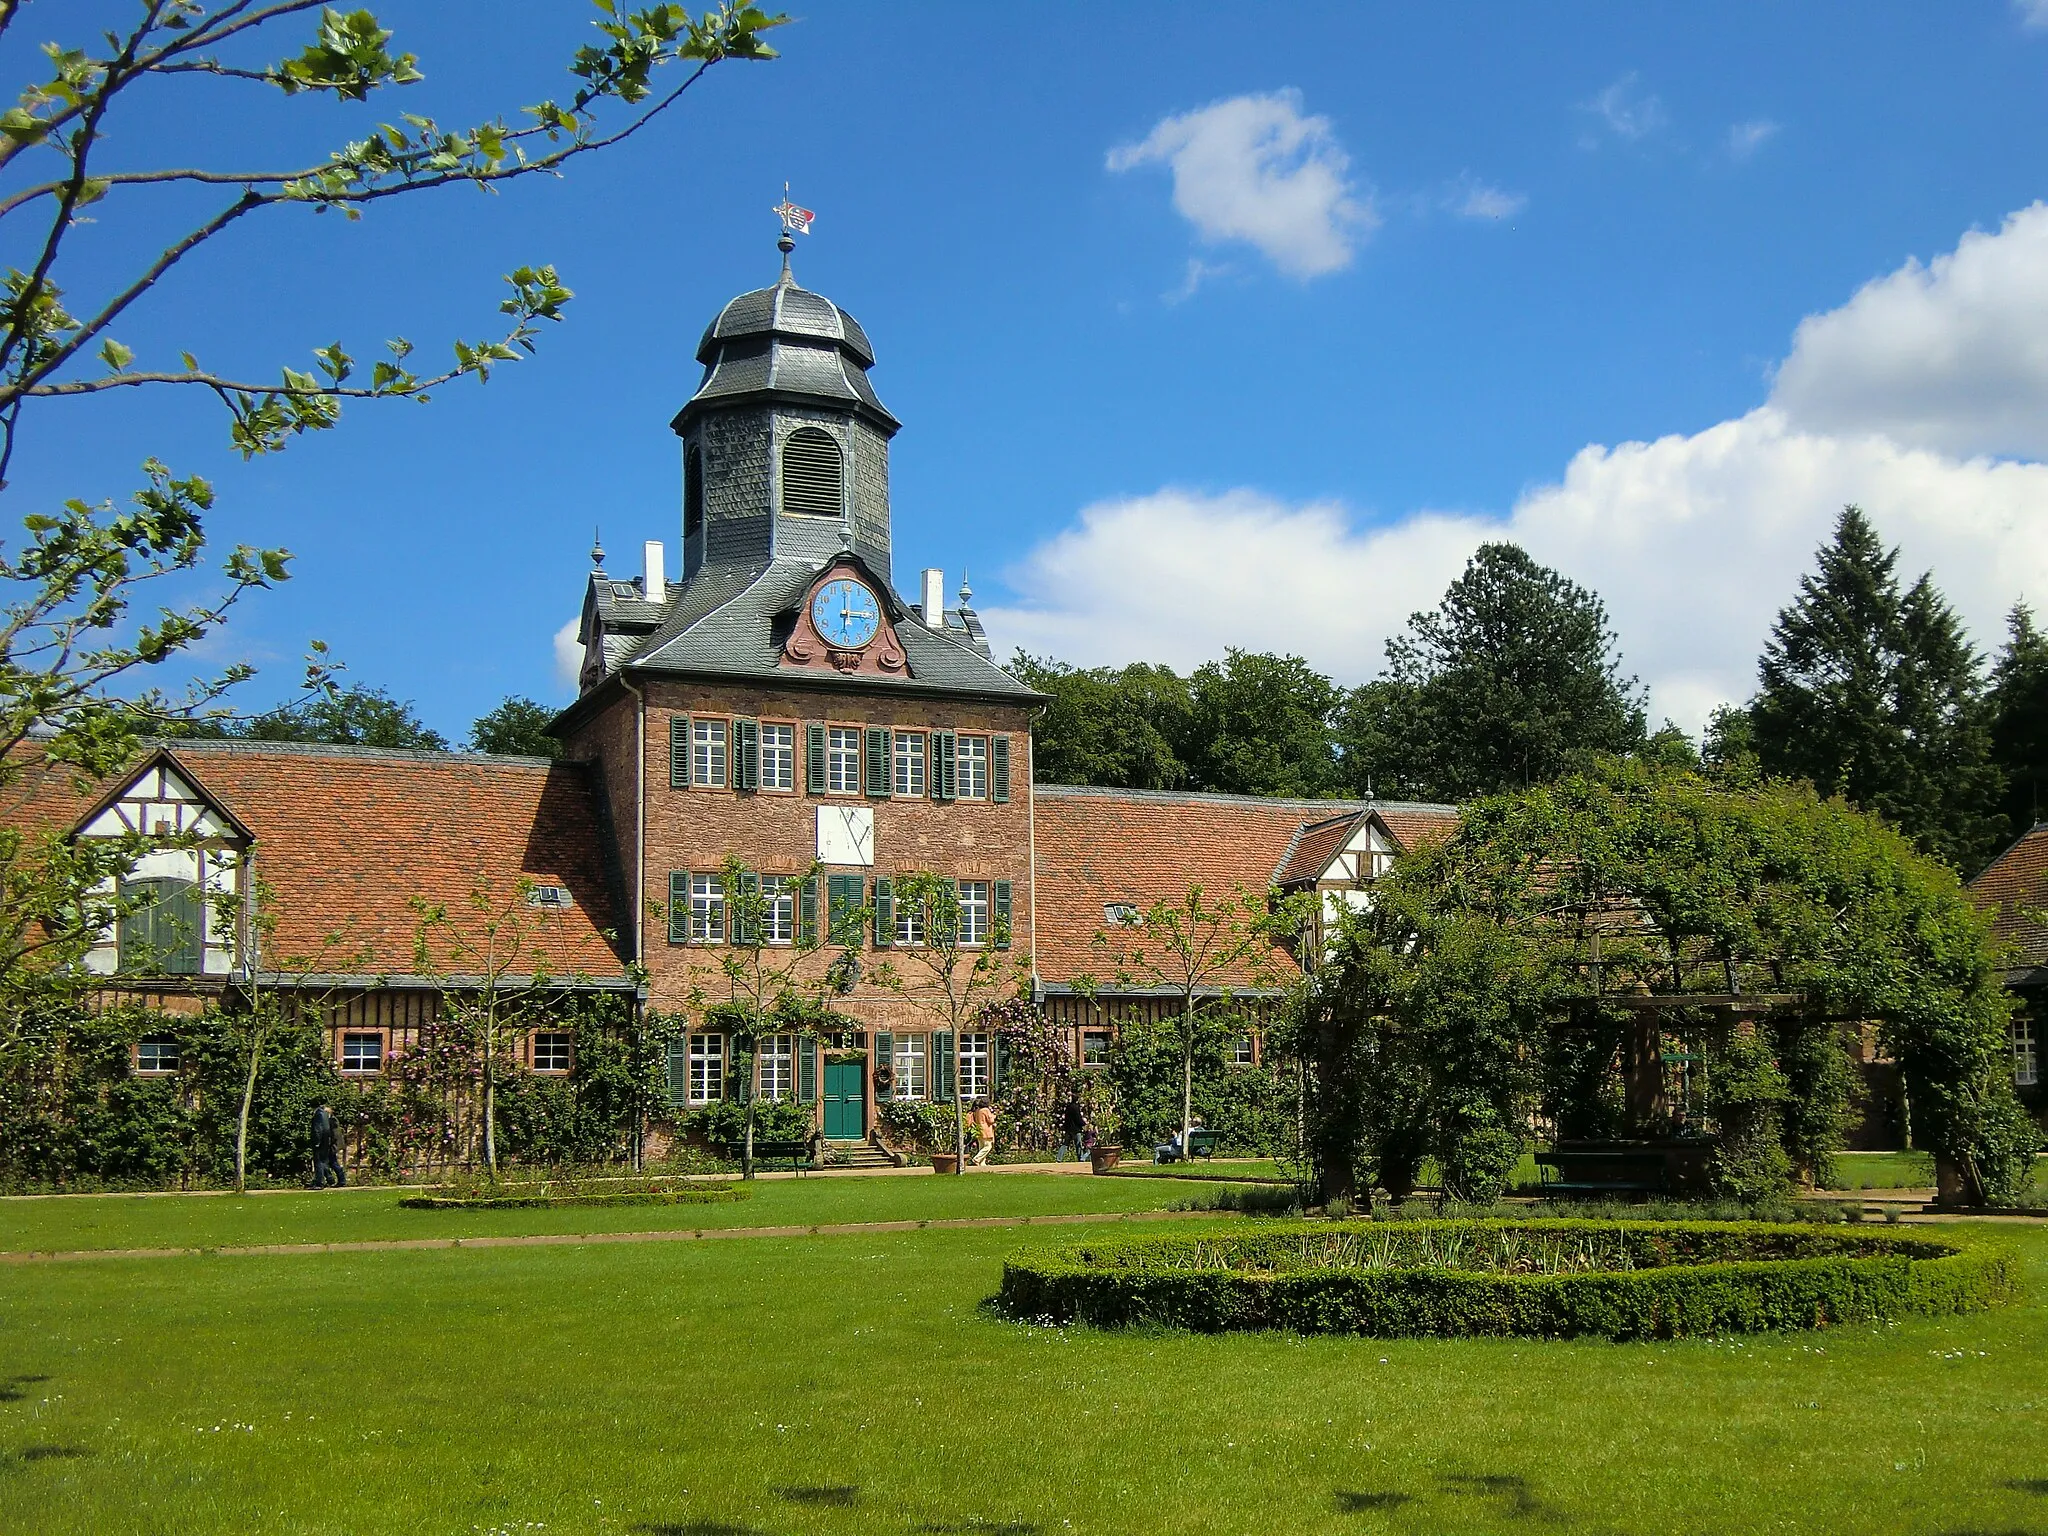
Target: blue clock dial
(846,614)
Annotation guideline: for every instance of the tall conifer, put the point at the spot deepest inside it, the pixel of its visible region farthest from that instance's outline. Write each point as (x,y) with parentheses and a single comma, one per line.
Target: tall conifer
(1875,694)
(2019,720)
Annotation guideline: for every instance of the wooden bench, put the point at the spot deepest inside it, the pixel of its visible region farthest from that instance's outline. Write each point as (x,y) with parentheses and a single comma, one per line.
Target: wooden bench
(796,1153)
(1598,1172)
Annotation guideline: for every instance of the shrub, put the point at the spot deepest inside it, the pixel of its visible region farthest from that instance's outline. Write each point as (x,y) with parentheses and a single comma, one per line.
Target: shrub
(551,1194)
(1620,1280)
(724,1124)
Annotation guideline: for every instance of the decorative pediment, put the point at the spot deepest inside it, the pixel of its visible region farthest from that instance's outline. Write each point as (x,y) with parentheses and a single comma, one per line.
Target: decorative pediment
(840,641)
(163,798)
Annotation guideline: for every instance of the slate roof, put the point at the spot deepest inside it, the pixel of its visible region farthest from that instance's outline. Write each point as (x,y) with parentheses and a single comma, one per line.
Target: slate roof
(730,621)
(1100,846)
(346,835)
(2017,880)
(786,342)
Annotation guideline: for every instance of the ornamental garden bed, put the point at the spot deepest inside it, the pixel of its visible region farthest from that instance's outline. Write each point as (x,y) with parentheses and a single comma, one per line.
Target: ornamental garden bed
(559,1194)
(1549,1279)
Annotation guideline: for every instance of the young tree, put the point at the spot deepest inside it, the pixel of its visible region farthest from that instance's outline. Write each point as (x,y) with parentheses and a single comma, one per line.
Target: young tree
(957,971)
(492,974)
(2019,720)
(71,650)
(1874,694)
(1202,954)
(516,728)
(1514,677)
(763,959)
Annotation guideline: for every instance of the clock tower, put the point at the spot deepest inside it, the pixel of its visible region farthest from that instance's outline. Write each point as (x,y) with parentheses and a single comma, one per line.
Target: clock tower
(782,704)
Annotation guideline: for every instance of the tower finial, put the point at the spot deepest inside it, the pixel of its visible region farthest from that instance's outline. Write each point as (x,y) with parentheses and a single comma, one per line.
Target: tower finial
(966,591)
(795,221)
(596,549)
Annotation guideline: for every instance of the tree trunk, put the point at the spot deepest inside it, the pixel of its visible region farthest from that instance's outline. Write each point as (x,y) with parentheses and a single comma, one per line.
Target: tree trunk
(242,1120)
(490,1102)
(747,1142)
(1187,1081)
(959,1110)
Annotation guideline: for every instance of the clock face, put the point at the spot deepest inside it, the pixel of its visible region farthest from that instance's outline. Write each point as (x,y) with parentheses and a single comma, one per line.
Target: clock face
(846,614)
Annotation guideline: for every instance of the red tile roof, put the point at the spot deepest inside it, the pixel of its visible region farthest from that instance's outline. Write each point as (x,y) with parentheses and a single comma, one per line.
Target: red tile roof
(1101,846)
(2015,884)
(346,836)
(1314,846)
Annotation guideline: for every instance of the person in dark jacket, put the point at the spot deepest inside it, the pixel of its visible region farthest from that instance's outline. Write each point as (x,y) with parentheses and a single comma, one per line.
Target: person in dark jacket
(327,1148)
(1071,1123)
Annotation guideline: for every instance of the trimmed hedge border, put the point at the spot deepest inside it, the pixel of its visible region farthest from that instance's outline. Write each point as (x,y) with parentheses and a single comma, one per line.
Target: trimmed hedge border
(696,1194)
(1455,1279)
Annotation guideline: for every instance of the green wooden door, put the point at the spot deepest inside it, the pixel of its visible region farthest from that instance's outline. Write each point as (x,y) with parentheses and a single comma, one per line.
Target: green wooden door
(846,1113)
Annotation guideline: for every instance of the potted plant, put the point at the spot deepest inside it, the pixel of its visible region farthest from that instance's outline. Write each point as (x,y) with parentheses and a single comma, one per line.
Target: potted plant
(1104,1156)
(945,1162)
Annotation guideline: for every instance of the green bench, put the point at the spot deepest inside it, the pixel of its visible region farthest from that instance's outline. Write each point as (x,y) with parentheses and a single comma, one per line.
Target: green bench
(1599,1171)
(795,1153)
(1201,1143)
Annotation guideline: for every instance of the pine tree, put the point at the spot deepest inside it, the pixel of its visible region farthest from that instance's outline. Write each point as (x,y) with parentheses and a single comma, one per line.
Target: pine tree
(2019,720)
(1875,694)
(1510,681)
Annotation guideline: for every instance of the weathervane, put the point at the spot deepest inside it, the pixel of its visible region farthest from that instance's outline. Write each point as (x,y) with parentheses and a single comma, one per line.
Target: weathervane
(795,220)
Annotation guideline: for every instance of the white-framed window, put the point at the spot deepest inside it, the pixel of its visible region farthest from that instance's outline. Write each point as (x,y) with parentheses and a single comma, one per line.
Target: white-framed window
(707,1068)
(553,1050)
(970,753)
(842,760)
(973,911)
(158,1055)
(976,1063)
(362,1053)
(707,754)
(1121,914)
(1241,1052)
(778,909)
(778,756)
(909,780)
(2026,1052)
(910,1054)
(909,921)
(1094,1047)
(1377,863)
(778,1066)
(707,909)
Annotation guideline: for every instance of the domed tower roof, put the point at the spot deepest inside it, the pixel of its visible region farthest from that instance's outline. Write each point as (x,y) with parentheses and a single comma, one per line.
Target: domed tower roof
(786,344)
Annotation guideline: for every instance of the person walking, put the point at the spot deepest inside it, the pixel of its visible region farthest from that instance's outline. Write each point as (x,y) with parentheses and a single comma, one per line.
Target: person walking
(1071,1122)
(984,1132)
(327,1148)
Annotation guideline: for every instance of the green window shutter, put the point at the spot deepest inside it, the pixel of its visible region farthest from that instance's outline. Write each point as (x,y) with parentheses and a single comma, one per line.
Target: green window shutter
(943,769)
(678,907)
(678,751)
(843,900)
(878,762)
(746,754)
(999,913)
(999,769)
(885,913)
(744,927)
(996,1065)
(807,913)
(679,1070)
(885,1056)
(806,1070)
(941,1067)
(814,758)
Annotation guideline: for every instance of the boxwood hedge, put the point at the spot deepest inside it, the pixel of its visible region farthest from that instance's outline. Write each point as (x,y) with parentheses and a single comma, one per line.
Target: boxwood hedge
(1621,1280)
(532,1197)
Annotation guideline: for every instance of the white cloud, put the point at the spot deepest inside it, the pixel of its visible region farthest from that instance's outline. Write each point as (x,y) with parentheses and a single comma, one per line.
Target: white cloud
(1253,168)
(2033,14)
(1950,355)
(568,658)
(1626,110)
(1476,200)
(1745,139)
(1694,541)
(1198,273)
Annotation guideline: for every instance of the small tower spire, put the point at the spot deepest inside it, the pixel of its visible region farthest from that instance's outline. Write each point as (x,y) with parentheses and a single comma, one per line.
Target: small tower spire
(795,221)
(596,549)
(966,591)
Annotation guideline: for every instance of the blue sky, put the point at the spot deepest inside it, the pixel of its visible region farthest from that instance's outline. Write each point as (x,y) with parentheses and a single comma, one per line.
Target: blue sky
(1208,325)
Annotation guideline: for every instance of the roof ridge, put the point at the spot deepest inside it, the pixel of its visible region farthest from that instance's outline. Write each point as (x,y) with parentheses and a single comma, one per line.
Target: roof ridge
(1335,808)
(186,744)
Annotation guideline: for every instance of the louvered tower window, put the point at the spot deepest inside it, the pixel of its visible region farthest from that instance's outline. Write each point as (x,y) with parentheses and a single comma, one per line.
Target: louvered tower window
(811,478)
(693,493)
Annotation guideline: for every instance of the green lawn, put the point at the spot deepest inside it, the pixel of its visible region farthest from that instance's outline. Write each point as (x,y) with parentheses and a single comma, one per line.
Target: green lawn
(225,1221)
(853,1384)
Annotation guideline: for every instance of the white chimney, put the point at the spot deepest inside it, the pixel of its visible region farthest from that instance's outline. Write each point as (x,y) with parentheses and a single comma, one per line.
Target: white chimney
(656,587)
(935,598)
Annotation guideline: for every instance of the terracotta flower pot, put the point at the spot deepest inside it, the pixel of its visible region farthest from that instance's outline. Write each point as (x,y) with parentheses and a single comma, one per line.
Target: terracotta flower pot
(945,1162)
(1102,1159)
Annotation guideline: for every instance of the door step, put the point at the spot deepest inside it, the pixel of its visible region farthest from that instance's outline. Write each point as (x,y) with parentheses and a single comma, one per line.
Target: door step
(858,1154)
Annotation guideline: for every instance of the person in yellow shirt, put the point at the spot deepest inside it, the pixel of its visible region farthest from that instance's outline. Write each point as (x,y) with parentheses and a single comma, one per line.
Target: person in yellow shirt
(984,1122)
